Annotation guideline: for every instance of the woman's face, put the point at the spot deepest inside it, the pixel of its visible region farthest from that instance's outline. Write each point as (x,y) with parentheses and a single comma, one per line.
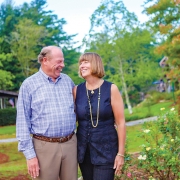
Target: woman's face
(85,68)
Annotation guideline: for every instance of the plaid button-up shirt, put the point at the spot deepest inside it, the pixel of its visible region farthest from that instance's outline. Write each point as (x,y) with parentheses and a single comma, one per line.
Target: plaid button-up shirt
(44,108)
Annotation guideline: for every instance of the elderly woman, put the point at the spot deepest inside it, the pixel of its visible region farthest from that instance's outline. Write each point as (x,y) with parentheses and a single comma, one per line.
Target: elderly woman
(98,107)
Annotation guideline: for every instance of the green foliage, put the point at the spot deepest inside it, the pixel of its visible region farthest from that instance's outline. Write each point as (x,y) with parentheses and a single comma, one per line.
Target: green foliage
(155,97)
(7,116)
(5,80)
(23,42)
(177,93)
(164,20)
(125,46)
(110,17)
(24,30)
(141,111)
(6,77)
(160,156)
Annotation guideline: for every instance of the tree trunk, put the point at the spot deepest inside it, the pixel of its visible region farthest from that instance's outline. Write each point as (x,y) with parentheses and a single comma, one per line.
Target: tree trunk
(125,89)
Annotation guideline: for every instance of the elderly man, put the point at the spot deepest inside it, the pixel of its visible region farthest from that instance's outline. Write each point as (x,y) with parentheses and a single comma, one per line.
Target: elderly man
(45,110)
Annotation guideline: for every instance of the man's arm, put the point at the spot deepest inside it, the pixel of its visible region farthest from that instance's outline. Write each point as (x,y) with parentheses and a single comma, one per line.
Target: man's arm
(23,126)
(23,123)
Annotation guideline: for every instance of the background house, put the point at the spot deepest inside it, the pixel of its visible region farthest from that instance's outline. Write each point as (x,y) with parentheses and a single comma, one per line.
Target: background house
(8,99)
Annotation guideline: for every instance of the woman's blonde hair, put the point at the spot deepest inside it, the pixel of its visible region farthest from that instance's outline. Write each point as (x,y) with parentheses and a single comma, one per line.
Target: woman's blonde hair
(96,64)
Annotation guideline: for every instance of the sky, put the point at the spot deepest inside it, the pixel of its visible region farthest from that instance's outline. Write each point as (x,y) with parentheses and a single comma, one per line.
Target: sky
(77,13)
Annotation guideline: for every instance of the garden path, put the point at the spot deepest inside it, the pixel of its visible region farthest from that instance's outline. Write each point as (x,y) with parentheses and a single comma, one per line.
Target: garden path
(130,123)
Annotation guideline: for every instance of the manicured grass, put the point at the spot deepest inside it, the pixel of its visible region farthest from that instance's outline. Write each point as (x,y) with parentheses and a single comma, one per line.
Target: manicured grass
(141,112)
(16,164)
(132,135)
(133,140)
(7,132)
(138,113)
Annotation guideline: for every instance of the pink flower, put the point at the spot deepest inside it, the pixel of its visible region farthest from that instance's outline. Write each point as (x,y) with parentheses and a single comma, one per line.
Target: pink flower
(129,174)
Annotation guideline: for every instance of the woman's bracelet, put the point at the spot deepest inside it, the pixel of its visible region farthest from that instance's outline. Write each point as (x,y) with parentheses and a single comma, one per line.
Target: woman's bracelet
(118,154)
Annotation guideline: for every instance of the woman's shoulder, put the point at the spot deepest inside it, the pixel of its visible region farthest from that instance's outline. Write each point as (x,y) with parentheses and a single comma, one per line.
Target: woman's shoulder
(80,86)
(107,83)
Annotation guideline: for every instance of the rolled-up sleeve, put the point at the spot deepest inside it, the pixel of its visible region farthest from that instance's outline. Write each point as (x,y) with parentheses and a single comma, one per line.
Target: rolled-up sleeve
(23,124)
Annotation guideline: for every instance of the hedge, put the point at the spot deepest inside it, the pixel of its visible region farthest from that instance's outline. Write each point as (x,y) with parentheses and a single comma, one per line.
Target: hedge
(7,116)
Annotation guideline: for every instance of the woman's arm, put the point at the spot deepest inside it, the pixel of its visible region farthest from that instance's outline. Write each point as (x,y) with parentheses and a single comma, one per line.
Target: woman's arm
(118,110)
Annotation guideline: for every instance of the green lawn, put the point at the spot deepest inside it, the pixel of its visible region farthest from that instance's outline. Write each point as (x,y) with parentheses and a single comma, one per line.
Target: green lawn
(140,112)
(7,132)
(133,139)
(16,164)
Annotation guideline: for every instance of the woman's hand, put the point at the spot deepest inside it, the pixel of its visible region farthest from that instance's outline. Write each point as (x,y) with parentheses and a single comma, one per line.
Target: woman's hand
(118,164)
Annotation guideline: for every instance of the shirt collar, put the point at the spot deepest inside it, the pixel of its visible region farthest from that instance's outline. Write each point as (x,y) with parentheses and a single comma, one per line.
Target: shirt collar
(47,77)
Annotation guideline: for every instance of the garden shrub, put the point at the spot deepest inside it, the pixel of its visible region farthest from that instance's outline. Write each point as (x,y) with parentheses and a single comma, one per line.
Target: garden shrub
(154,97)
(7,116)
(177,93)
(160,156)
(177,96)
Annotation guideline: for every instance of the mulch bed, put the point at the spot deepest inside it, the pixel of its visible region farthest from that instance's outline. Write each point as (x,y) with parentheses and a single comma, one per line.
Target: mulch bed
(3,158)
(135,172)
(19,177)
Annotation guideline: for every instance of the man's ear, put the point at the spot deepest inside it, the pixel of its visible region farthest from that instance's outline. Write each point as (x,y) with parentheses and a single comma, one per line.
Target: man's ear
(44,61)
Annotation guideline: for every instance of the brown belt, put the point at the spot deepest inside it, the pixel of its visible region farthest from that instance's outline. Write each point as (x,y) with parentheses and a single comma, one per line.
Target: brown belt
(59,140)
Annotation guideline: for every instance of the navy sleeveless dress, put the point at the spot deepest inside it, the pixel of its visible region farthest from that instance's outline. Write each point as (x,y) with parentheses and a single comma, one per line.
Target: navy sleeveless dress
(101,140)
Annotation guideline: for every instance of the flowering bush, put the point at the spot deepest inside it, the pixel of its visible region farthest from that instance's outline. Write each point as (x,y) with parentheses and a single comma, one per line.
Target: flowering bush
(160,156)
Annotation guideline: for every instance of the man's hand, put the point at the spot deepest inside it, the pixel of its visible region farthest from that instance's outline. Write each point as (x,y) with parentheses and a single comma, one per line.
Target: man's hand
(33,167)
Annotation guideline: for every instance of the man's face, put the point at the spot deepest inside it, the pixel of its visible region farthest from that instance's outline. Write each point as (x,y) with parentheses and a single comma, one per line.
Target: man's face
(54,64)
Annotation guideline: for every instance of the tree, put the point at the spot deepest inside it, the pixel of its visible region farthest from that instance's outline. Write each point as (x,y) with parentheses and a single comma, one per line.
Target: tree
(106,22)
(115,35)
(8,18)
(164,20)
(23,42)
(5,76)
(11,21)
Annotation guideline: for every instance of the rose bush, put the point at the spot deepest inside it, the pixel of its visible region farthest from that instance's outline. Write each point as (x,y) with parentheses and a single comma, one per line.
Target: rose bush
(160,155)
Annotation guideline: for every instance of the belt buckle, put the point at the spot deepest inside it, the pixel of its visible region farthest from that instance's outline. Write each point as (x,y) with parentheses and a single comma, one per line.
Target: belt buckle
(60,140)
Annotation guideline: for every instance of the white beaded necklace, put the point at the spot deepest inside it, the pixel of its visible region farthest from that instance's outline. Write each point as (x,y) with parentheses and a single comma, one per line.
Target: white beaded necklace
(91,107)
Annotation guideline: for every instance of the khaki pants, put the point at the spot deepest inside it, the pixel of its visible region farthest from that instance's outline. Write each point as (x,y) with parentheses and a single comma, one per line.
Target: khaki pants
(57,160)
